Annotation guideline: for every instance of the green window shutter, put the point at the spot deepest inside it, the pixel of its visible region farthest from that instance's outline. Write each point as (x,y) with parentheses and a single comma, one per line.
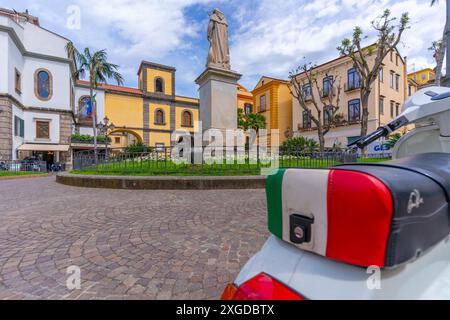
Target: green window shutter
(22,128)
(274,195)
(352,139)
(16,126)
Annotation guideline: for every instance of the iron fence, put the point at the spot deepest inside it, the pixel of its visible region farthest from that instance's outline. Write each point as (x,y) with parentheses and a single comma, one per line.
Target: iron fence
(23,165)
(166,161)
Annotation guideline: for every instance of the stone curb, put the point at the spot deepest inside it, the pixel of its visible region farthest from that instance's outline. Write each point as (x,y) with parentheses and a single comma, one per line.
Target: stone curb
(162,182)
(26,176)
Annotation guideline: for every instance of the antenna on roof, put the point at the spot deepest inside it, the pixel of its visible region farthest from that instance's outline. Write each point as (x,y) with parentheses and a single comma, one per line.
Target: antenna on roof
(16,15)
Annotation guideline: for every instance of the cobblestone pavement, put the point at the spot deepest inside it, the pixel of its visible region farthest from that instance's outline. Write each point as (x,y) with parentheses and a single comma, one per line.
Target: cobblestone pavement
(128,244)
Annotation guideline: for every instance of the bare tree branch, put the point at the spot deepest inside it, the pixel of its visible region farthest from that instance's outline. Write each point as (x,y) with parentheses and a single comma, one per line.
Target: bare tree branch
(308,77)
(389,37)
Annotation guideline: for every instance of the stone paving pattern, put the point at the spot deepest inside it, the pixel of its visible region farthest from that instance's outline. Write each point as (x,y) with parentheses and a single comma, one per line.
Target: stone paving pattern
(128,244)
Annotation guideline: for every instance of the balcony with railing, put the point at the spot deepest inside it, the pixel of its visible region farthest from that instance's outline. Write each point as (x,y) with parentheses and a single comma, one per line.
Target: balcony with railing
(337,123)
(351,86)
(326,92)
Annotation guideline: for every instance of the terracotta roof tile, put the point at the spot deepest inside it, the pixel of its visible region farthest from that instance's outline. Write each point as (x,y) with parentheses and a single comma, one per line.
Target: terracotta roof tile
(112,87)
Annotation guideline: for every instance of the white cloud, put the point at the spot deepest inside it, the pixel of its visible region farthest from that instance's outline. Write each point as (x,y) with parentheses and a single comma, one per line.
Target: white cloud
(277,35)
(150,26)
(267,37)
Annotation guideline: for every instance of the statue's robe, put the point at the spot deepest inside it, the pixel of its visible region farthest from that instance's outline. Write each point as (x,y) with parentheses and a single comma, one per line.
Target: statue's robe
(219,52)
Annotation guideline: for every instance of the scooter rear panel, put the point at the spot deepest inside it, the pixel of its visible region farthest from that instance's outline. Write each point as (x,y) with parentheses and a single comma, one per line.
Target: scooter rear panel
(379,214)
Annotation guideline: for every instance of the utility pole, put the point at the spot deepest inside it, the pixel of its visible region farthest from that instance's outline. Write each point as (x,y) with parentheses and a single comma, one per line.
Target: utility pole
(447,33)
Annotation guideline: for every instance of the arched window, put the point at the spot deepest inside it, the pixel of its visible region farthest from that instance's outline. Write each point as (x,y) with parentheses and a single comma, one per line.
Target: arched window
(159,85)
(159,117)
(186,119)
(43,84)
(85,108)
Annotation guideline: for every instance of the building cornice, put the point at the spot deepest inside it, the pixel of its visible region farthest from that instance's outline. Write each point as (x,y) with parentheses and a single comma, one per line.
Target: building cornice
(33,108)
(12,33)
(157,66)
(345,59)
(149,98)
(268,86)
(130,94)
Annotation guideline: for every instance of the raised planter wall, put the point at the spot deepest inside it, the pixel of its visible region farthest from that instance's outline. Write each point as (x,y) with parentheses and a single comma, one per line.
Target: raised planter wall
(162,182)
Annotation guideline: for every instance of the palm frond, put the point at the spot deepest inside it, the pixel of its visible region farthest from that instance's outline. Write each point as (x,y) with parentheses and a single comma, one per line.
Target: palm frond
(96,64)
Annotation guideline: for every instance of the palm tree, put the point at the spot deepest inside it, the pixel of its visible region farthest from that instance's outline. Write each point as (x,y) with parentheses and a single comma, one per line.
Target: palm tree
(99,70)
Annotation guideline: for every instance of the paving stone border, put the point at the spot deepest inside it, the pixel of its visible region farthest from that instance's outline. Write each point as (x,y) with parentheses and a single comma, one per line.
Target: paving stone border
(25,176)
(162,182)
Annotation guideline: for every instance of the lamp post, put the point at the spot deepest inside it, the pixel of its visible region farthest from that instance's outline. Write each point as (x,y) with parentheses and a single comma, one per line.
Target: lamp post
(105,128)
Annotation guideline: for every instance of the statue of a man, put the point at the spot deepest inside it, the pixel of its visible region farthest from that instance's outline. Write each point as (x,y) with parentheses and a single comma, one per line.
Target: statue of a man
(219,52)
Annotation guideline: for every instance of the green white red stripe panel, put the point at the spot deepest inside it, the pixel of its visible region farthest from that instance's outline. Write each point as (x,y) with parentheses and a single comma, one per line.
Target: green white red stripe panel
(352,212)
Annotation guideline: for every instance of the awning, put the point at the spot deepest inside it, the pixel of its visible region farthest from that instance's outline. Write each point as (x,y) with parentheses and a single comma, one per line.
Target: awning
(43,147)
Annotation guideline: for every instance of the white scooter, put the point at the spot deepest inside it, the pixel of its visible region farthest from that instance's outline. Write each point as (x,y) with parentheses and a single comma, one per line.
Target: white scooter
(362,231)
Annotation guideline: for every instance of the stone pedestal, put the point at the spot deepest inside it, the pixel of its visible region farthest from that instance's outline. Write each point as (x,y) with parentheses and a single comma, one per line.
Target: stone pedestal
(218,98)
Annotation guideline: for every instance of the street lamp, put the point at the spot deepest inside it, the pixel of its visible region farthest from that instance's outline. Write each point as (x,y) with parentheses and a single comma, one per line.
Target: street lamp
(105,128)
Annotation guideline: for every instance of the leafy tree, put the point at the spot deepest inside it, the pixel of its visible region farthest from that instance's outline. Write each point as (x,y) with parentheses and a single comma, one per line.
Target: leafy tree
(99,70)
(368,61)
(316,99)
(253,121)
(86,138)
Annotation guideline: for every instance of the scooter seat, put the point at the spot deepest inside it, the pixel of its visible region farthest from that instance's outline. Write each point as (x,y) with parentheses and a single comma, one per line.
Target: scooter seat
(436,166)
(382,215)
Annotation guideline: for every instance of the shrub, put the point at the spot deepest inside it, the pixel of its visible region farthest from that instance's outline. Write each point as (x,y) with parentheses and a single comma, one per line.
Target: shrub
(393,139)
(86,138)
(300,144)
(138,147)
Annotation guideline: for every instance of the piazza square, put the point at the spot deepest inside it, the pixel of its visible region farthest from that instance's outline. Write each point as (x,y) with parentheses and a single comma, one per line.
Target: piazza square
(202,151)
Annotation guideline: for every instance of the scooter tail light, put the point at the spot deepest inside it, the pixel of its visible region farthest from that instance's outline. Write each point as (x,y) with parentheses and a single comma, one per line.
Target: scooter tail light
(260,287)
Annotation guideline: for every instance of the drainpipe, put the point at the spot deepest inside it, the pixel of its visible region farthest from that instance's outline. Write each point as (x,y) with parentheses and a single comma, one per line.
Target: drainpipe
(378,99)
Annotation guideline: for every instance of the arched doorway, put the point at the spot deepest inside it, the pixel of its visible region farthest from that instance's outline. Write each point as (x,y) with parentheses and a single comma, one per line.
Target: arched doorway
(122,138)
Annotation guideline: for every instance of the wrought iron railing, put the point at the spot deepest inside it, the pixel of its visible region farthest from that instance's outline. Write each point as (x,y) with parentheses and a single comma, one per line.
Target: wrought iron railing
(23,165)
(350,86)
(238,162)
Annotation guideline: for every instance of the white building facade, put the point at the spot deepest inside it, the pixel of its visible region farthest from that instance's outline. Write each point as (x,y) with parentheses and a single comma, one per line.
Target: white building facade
(37,93)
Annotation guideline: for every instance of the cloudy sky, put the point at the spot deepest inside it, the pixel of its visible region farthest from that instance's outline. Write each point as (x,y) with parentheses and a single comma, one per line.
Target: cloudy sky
(267,37)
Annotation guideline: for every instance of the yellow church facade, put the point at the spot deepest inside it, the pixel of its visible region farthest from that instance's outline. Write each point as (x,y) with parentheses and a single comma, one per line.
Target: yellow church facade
(150,113)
